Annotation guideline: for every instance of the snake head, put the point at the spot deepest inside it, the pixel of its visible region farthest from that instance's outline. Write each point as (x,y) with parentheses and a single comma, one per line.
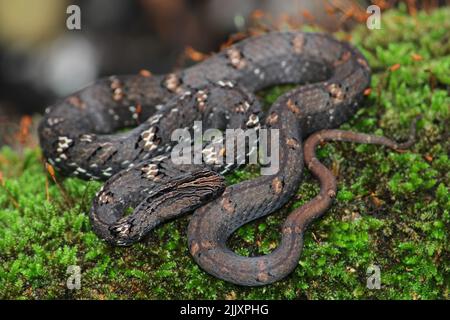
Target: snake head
(181,195)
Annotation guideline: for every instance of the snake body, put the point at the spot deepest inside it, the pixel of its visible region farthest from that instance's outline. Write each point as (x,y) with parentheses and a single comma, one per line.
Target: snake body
(79,137)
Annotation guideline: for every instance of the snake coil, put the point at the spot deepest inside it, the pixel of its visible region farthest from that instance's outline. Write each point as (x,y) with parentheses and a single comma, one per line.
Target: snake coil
(79,136)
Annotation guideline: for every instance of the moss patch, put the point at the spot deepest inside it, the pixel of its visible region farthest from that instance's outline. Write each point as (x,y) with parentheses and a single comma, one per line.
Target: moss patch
(392,209)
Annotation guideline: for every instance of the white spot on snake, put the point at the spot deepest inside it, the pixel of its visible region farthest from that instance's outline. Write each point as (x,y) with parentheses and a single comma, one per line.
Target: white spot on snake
(123,230)
(201,97)
(107,172)
(336,92)
(105,198)
(236,59)
(151,171)
(86,138)
(258,72)
(63,144)
(253,120)
(239,109)
(54,121)
(155,118)
(160,158)
(148,137)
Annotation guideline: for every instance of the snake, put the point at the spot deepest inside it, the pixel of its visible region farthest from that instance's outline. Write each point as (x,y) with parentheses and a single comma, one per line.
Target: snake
(120,130)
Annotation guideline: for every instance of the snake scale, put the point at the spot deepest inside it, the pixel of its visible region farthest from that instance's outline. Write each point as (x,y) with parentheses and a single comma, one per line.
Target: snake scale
(80,136)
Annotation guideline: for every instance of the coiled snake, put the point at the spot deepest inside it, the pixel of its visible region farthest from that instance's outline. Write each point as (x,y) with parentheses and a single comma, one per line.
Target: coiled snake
(79,137)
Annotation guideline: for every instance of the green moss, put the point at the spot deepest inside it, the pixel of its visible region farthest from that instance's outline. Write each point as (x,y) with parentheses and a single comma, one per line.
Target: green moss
(392,209)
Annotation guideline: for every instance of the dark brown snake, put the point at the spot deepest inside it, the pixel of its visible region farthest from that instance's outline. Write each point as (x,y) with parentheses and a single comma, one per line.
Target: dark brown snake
(79,137)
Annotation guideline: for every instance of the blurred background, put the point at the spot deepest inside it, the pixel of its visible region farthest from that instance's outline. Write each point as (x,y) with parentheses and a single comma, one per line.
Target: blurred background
(41,60)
